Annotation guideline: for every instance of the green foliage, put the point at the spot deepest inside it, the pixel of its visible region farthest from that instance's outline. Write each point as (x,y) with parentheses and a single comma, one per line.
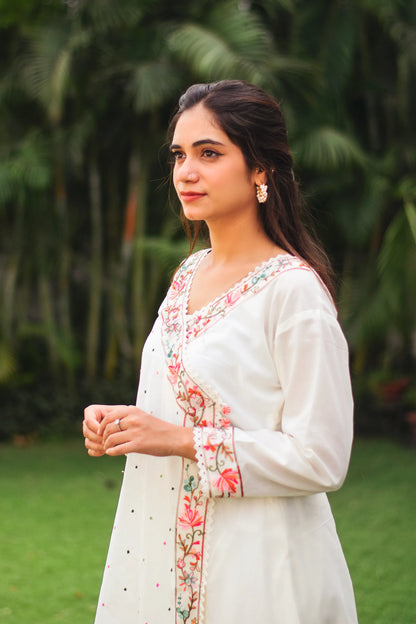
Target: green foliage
(328,149)
(87,243)
(24,167)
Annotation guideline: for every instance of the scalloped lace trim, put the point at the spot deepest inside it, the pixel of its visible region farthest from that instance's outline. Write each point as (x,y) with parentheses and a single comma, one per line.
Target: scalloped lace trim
(200,459)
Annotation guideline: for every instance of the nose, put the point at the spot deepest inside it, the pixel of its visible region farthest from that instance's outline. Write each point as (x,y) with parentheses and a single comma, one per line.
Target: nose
(186,171)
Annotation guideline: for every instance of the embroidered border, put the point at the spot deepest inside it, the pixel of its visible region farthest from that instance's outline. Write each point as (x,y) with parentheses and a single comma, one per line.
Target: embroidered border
(214,439)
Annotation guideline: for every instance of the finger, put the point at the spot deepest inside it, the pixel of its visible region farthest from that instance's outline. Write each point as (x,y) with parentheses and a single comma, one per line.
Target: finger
(94,449)
(116,426)
(115,439)
(120,449)
(117,411)
(90,433)
(94,415)
(95,453)
(96,444)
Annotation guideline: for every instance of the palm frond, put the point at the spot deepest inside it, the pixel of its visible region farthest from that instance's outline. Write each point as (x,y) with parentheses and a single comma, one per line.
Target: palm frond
(106,14)
(153,83)
(26,166)
(327,148)
(242,30)
(45,65)
(232,43)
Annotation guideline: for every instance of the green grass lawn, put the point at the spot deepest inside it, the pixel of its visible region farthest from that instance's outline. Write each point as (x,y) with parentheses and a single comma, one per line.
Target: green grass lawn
(57,506)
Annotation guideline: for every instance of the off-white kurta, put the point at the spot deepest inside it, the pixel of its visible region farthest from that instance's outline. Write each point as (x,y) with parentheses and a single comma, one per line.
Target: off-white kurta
(245,535)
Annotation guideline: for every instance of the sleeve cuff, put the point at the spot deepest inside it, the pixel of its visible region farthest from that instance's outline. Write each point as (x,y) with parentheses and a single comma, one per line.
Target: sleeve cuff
(217,463)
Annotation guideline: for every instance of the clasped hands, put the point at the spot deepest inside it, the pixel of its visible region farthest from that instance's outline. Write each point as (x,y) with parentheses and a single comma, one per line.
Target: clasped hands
(121,429)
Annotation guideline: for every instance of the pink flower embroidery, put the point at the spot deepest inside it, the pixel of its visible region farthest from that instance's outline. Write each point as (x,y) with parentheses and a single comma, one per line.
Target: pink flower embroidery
(224,423)
(232,297)
(227,481)
(190,518)
(174,370)
(177,286)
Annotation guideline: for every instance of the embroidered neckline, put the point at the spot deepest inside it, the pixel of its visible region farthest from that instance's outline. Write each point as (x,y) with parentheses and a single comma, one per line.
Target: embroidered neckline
(199,256)
(249,285)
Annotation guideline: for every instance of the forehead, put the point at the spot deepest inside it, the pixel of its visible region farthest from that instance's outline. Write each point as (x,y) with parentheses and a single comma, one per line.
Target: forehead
(196,123)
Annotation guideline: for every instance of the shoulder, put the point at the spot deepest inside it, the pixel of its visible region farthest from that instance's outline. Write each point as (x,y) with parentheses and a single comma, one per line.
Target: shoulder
(298,289)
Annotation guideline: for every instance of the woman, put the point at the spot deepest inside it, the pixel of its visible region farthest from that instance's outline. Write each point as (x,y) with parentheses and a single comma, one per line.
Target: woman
(244,410)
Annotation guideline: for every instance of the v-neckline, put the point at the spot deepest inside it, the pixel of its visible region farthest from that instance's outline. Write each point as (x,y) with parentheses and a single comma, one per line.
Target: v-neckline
(198,313)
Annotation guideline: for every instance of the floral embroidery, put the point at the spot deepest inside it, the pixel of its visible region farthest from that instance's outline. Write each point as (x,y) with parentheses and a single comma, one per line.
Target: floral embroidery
(254,282)
(219,459)
(211,420)
(189,546)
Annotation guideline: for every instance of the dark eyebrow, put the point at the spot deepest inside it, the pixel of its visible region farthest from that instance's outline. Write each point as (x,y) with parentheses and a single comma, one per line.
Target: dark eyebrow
(200,142)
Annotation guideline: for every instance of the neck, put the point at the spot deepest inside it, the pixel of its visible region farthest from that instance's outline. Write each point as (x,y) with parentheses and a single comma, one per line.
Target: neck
(238,240)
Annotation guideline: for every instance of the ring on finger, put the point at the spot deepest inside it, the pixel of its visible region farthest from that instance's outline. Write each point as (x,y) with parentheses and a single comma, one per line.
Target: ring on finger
(117,422)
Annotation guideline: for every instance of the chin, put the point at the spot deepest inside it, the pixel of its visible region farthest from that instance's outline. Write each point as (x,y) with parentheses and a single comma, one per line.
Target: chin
(193,215)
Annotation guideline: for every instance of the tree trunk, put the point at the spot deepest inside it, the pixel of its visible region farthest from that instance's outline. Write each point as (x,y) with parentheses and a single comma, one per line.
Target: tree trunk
(61,205)
(95,273)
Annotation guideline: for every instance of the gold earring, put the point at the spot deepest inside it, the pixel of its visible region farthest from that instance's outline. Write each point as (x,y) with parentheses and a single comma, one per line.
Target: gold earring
(261,193)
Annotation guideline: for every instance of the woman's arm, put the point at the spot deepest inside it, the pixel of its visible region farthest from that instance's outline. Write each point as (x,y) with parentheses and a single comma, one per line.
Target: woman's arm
(310,453)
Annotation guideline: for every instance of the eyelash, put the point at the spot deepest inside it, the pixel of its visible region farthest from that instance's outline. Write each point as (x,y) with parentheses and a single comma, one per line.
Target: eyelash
(208,153)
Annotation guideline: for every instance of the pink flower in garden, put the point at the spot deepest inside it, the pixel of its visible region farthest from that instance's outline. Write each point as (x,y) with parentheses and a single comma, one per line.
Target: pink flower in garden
(190,518)
(227,481)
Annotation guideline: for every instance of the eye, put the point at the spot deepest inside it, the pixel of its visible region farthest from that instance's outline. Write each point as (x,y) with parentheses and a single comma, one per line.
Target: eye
(209,153)
(176,155)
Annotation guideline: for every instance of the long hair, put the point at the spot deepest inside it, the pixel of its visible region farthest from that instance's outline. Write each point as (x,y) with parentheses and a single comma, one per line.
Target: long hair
(253,121)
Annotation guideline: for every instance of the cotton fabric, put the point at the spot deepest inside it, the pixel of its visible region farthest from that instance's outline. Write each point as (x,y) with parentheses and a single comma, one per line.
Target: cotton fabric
(244,534)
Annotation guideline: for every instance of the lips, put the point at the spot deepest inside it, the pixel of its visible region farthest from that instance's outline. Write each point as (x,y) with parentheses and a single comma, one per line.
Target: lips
(189,196)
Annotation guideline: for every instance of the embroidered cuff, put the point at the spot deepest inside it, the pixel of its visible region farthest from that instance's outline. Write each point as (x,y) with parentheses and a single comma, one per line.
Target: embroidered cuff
(217,463)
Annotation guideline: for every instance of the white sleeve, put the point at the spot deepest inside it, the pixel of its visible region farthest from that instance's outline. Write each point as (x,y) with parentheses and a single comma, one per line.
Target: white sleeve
(311,451)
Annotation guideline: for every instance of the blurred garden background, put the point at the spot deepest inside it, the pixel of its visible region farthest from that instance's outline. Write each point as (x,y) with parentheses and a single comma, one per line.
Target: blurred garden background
(90,235)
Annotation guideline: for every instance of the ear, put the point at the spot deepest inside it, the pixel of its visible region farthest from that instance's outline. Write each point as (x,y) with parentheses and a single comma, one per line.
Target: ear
(260,176)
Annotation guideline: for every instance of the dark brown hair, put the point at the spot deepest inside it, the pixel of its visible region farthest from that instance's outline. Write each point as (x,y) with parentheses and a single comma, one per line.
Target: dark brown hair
(253,121)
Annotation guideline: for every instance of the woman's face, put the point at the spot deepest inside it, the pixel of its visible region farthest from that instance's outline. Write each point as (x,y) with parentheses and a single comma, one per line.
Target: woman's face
(210,174)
